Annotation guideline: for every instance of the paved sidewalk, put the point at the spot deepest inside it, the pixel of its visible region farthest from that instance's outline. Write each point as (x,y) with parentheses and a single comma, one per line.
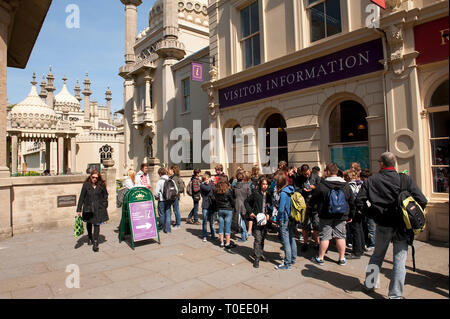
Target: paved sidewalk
(34,266)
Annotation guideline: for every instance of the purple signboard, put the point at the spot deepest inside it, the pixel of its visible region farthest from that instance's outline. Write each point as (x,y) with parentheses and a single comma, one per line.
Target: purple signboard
(143,221)
(197,72)
(347,63)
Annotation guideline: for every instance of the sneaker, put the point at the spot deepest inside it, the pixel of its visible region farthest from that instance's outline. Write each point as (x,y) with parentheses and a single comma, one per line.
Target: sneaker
(349,245)
(353,257)
(249,234)
(197,223)
(342,262)
(371,248)
(283,267)
(263,258)
(318,261)
(176,227)
(256,263)
(304,247)
(221,245)
(204,239)
(293,262)
(189,221)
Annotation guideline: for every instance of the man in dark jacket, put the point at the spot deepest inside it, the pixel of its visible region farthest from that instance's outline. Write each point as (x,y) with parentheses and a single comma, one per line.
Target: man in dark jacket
(377,199)
(332,220)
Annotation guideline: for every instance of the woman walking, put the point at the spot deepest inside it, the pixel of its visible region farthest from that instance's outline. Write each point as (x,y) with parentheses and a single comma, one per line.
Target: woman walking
(93,202)
(224,202)
(258,207)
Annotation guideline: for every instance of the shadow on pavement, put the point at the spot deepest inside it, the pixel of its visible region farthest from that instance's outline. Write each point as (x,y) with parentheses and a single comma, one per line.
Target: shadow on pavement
(341,281)
(85,239)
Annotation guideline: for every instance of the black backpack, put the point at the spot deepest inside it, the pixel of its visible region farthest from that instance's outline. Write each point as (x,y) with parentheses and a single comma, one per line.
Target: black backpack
(170,192)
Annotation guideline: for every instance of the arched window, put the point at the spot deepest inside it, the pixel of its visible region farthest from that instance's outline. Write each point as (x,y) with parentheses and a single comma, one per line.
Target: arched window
(349,135)
(105,152)
(438,110)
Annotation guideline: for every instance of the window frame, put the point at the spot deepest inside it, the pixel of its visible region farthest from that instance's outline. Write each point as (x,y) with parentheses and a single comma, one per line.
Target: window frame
(429,110)
(184,81)
(318,2)
(242,40)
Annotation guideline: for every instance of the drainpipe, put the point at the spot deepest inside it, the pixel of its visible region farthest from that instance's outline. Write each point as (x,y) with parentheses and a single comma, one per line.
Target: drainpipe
(386,69)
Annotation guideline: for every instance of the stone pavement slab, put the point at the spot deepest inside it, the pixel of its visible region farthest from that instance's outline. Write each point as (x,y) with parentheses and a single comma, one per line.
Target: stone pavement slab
(33,265)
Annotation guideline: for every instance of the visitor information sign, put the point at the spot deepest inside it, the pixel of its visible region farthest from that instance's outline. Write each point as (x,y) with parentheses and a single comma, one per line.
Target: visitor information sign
(138,216)
(143,221)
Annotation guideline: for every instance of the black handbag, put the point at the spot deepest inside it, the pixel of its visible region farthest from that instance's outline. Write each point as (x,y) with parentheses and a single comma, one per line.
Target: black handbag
(89,214)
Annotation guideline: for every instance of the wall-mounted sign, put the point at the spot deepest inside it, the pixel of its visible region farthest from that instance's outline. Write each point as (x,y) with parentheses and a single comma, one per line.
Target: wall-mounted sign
(66,201)
(347,63)
(431,41)
(197,72)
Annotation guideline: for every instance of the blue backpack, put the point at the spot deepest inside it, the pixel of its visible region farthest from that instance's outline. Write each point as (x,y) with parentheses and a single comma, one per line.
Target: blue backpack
(338,203)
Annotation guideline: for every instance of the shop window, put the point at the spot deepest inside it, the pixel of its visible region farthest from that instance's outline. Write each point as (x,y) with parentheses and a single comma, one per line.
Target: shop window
(186,95)
(325,18)
(250,35)
(105,152)
(439,137)
(349,135)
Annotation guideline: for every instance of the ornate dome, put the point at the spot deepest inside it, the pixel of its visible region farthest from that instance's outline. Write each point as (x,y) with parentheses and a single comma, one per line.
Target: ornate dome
(64,101)
(32,113)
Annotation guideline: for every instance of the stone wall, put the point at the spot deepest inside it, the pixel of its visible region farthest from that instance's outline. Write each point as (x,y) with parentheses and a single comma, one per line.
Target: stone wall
(33,202)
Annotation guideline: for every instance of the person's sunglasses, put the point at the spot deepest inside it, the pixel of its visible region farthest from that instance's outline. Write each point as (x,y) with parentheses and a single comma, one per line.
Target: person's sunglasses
(96,177)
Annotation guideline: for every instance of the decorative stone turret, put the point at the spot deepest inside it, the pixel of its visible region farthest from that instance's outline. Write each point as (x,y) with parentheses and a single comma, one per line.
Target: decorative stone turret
(130,28)
(78,92)
(108,99)
(43,93)
(87,98)
(169,46)
(50,88)
(66,102)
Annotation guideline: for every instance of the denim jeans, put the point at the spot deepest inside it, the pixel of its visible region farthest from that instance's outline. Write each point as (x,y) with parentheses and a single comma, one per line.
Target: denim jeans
(208,216)
(370,232)
(225,217)
(287,231)
(194,211)
(244,229)
(164,215)
(384,235)
(176,212)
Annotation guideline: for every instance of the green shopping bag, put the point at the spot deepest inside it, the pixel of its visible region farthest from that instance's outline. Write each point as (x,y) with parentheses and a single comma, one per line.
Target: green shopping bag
(78,228)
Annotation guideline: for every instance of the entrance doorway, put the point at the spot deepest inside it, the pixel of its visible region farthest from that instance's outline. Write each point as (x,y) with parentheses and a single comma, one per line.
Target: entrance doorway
(276,121)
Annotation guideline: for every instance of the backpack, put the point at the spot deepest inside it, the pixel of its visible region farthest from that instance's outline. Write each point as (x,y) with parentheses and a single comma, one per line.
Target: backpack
(195,185)
(298,207)
(189,188)
(119,197)
(180,184)
(337,201)
(412,214)
(170,192)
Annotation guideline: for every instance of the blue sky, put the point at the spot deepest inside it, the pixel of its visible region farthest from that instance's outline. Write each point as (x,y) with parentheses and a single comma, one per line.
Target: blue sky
(96,47)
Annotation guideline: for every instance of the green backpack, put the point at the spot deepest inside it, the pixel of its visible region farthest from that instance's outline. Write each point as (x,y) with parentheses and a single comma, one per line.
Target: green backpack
(298,207)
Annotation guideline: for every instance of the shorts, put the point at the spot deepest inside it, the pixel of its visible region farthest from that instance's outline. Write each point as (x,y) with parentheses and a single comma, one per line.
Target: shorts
(311,221)
(332,228)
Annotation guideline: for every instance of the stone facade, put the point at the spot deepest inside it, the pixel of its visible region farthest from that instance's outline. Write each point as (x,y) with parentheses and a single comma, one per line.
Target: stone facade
(392,97)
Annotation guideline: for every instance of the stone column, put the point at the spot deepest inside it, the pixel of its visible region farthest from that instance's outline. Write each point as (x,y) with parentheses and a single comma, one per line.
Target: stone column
(87,98)
(73,155)
(135,96)
(60,155)
(14,142)
(5,10)
(130,28)
(109,175)
(148,101)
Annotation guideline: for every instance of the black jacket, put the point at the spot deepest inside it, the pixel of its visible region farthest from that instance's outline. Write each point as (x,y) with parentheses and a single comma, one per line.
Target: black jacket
(206,191)
(381,191)
(254,203)
(241,191)
(95,201)
(223,201)
(321,199)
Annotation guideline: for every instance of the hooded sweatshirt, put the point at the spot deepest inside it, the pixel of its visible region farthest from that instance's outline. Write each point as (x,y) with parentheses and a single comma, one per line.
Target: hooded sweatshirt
(241,191)
(321,199)
(284,209)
